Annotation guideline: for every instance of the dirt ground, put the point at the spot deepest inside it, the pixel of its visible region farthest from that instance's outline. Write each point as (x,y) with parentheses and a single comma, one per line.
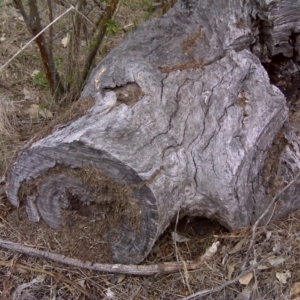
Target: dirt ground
(276,246)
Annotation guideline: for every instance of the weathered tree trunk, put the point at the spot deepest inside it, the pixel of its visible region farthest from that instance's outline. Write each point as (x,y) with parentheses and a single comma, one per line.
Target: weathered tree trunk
(183,121)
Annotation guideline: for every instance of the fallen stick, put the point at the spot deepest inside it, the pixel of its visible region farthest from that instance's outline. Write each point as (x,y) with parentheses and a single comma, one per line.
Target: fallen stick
(161,268)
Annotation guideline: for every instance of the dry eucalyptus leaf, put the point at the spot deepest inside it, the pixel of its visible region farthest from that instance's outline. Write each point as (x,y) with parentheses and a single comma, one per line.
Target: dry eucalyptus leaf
(28,94)
(110,294)
(230,269)
(295,291)
(268,235)
(45,113)
(120,278)
(283,276)
(33,110)
(275,261)
(34,73)
(81,282)
(65,41)
(262,267)
(238,246)
(246,279)
(272,261)
(211,251)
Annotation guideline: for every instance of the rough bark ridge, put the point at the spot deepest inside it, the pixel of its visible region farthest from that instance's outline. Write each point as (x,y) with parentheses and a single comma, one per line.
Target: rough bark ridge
(183,121)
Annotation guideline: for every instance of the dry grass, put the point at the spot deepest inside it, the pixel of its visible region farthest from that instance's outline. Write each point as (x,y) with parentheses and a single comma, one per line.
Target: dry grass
(25,277)
(42,279)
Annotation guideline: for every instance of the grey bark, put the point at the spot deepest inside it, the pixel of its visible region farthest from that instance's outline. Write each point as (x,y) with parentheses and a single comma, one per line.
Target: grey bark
(185,115)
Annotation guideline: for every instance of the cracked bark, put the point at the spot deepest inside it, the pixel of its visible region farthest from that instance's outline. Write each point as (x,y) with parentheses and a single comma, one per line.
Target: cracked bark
(195,140)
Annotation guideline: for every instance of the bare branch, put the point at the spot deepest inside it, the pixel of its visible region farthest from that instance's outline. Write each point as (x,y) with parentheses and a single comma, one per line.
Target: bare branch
(99,35)
(162,268)
(35,37)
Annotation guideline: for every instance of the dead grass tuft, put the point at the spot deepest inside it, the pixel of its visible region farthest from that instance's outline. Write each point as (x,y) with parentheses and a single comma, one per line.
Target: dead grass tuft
(7,112)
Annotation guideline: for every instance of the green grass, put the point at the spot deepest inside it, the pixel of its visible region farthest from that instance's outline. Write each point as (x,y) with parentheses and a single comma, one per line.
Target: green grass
(39,79)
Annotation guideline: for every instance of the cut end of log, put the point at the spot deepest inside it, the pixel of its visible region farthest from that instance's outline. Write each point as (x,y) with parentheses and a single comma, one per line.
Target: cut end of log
(119,210)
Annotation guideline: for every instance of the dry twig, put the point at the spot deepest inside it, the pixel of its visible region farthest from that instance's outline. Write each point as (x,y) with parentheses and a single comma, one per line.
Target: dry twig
(35,37)
(161,268)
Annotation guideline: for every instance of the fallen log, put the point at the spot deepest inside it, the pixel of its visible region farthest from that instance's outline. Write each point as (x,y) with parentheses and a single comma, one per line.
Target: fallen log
(184,119)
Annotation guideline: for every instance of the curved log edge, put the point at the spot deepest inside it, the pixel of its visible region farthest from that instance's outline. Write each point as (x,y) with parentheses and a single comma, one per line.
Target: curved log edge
(184,119)
(93,195)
